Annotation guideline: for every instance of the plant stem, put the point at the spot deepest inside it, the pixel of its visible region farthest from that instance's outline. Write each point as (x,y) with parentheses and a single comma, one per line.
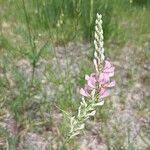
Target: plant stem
(64,143)
(32,44)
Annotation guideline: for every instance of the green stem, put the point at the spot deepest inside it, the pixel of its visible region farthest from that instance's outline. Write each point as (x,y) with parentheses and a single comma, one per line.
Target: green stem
(32,44)
(64,143)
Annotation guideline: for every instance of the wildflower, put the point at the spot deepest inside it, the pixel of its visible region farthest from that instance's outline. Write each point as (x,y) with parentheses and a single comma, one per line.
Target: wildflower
(101,83)
(97,84)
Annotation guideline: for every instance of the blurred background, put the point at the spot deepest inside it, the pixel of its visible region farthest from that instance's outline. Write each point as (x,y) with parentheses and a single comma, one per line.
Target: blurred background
(46,48)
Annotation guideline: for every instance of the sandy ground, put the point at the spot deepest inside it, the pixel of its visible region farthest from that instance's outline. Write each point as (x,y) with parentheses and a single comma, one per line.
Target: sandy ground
(129,120)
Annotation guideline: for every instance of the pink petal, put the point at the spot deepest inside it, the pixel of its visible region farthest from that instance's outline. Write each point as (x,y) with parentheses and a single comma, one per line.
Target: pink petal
(109,70)
(91,85)
(107,64)
(111,74)
(104,93)
(84,92)
(111,84)
(104,78)
(87,88)
(91,81)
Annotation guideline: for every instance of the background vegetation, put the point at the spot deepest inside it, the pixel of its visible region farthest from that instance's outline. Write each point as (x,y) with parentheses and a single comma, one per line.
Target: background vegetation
(36,78)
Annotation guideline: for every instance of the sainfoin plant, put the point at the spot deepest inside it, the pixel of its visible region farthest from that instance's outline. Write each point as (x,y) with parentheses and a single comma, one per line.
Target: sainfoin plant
(97,84)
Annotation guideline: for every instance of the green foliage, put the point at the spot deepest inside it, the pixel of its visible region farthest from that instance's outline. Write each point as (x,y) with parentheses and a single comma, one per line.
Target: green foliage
(10,142)
(29,31)
(141,2)
(65,20)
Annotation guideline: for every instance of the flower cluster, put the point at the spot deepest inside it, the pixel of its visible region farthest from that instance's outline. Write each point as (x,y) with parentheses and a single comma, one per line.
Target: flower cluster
(100,82)
(97,86)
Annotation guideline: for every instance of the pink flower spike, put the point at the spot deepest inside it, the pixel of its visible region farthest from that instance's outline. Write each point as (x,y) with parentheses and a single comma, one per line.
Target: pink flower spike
(104,93)
(83,92)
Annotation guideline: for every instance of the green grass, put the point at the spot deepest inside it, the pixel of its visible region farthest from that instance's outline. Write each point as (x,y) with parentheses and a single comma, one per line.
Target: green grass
(32,29)
(11,141)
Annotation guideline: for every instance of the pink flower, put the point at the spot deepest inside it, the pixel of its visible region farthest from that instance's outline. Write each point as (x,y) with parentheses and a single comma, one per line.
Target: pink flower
(103,78)
(91,80)
(103,93)
(91,84)
(108,69)
(101,82)
(105,83)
